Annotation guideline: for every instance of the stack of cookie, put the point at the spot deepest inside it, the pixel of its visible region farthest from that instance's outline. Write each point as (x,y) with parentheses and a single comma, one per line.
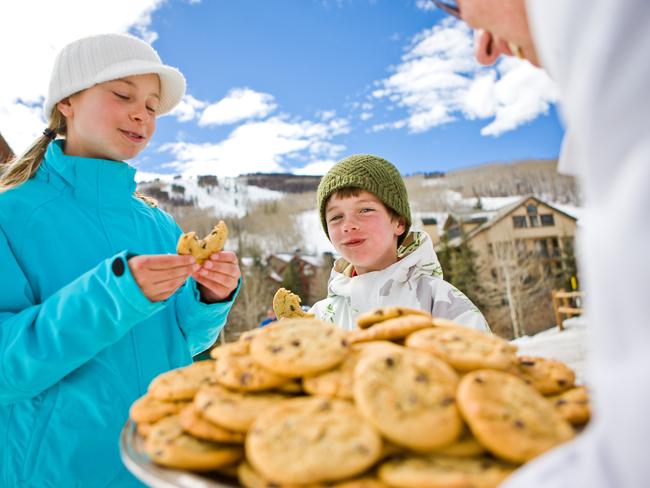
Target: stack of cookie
(406,401)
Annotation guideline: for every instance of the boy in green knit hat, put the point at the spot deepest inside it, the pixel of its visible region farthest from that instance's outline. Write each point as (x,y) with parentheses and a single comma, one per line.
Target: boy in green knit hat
(365,213)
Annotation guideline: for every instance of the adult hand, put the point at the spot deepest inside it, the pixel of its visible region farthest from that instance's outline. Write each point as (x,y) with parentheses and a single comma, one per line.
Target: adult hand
(160,275)
(218,276)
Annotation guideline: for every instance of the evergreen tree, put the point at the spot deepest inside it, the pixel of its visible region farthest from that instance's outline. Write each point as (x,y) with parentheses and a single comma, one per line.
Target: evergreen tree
(464,270)
(292,280)
(569,264)
(444,256)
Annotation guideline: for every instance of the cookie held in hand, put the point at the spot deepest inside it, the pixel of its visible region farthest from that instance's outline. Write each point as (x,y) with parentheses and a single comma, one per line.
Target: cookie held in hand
(202,249)
(286,305)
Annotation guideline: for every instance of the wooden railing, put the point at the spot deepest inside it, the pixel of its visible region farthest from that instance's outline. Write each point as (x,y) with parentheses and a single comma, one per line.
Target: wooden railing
(562,306)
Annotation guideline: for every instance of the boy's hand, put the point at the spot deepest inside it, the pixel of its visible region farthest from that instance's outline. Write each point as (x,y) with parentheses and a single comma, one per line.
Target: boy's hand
(160,275)
(218,276)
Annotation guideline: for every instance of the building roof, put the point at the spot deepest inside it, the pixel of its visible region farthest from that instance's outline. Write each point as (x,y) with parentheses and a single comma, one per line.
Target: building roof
(503,212)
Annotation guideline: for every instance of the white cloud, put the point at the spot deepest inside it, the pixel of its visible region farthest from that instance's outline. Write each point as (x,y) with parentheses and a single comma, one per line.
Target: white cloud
(20,125)
(33,32)
(269,145)
(438,81)
(425,5)
(239,104)
(316,167)
(326,114)
(187,109)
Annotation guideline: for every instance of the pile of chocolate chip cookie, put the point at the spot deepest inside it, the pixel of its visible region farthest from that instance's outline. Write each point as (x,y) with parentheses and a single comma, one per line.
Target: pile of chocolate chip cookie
(406,400)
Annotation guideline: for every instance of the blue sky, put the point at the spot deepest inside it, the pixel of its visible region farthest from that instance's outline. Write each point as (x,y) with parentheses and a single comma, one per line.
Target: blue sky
(295,85)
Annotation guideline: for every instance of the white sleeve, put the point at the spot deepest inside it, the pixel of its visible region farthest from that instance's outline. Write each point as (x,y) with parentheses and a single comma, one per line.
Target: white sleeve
(602,72)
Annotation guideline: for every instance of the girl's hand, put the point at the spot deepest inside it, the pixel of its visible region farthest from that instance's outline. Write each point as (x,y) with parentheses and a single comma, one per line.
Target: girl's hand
(218,276)
(160,275)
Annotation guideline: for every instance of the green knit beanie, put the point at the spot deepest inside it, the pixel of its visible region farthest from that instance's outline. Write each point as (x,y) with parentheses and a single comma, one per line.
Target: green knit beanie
(370,173)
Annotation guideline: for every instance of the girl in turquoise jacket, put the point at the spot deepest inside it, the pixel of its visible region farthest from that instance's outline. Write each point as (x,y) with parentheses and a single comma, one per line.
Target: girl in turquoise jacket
(94,302)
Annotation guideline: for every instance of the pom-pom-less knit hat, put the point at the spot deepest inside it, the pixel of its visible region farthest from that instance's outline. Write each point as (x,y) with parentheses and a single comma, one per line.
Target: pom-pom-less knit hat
(370,173)
(96,59)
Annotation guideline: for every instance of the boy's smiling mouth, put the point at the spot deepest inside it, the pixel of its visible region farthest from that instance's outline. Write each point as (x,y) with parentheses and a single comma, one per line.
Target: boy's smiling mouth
(354,242)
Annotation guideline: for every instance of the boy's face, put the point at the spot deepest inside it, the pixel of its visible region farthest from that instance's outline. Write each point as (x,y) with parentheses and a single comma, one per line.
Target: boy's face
(362,231)
(113,120)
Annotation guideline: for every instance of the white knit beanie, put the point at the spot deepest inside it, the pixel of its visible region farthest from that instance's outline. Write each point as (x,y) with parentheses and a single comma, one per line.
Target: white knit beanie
(96,59)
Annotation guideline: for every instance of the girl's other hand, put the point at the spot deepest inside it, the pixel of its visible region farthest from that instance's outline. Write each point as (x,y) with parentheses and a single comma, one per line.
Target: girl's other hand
(218,276)
(160,275)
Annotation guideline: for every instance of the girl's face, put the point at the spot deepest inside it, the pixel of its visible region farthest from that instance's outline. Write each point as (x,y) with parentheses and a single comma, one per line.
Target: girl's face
(113,120)
(361,230)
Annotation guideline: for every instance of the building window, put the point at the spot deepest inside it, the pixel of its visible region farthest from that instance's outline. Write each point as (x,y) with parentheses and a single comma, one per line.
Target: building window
(453,232)
(547,220)
(531,209)
(542,248)
(556,246)
(519,221)
(534,221)
(490,249)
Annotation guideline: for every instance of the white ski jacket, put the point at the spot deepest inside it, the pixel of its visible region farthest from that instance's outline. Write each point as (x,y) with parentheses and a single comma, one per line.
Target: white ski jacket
(415,281)
(598,53)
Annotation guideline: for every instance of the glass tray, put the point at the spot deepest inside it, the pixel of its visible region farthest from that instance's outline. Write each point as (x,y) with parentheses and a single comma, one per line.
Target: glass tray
(139,464)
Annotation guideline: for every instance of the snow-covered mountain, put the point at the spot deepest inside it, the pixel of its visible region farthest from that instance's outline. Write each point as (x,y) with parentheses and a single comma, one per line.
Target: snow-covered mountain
(228,197)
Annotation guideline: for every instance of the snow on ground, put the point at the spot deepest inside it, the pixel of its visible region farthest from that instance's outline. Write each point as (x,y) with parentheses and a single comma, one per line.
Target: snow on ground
(144,176)
(228,197)
(494,203)
(568,346)
(316,242)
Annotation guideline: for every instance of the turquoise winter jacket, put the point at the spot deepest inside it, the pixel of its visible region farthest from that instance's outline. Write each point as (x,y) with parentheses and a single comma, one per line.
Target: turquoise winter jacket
(79,342)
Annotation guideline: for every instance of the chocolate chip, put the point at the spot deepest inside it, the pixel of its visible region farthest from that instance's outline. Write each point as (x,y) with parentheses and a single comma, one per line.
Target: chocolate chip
(207,404)
(527,363)
(412,399)
(519,424)
(561,401)
(344,343)
(362,449)
(324,407)
(379,313)
(292,308)
(447,401)
(295,343)
(244,378)
(390,362)
(276,349)
(422,378)
(478,379)
(561,382)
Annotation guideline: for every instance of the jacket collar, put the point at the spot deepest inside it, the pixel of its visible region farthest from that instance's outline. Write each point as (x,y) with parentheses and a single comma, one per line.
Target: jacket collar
(416,257)
(100,182)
